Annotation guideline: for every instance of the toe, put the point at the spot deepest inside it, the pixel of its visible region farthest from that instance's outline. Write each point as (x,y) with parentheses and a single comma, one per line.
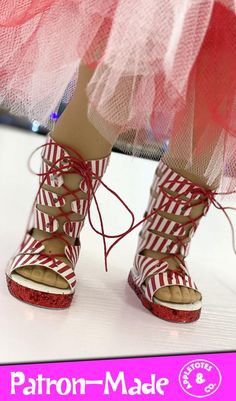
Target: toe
(176,295)
(186,295)
(49,277)
(61,283)
(195,295)
(163,294)
(25,271)
(38,274)
(44,276)
(198,296)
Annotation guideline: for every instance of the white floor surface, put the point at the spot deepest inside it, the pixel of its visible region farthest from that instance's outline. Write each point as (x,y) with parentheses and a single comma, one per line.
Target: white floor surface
(106,318)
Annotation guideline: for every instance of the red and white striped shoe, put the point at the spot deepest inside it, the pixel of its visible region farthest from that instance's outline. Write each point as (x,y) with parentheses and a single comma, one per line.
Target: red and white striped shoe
(56,163)
(174,195)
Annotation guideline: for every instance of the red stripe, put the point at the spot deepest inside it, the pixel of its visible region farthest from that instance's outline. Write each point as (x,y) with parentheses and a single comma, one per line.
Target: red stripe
(103,166)
(154,240)
(172,180)
(169,278)
(45,151)
(155,224)
(154,287)
(43,221)
(177,278)
(29,239)
(145,241)
(162,245)
(27,259)
(45,197)
(69,276)
(147,271)
(72,255)
(38,200)
(175,208)
(165,178)
(190,282)
(63,269)
(54,154)
(51,198)
(15,262)
(84,207)
(166,226)
(37,218)
(149,291)
(154,184)
(30,245)
(46,260)
(163,168)
(181,185)
(161,280)
(159,201)
(48,151)
(144,263)
(52,264)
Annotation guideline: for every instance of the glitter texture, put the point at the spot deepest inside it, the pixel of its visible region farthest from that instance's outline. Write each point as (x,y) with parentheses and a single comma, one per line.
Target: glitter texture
(39,298)
(172,315)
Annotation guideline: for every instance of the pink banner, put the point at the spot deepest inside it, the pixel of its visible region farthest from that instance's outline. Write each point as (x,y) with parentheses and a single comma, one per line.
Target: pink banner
(170,378)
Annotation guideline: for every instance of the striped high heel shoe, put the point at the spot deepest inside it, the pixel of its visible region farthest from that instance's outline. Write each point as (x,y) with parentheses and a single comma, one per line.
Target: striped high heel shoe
(56,164)
(171,195)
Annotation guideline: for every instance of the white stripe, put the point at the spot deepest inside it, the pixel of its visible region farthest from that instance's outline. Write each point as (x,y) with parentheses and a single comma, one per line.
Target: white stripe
(40,220)
(171,207)
(15,263)
(159,200)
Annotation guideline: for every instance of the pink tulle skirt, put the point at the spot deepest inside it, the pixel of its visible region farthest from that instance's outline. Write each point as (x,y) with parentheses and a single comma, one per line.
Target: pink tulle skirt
(162,69)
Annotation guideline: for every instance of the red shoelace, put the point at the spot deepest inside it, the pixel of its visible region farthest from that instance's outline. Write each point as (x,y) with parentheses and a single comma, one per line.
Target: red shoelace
(77,165)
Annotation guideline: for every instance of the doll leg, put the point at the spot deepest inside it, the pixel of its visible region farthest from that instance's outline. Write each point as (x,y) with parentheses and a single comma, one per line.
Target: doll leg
(193,160)
(73,129)
(181,294)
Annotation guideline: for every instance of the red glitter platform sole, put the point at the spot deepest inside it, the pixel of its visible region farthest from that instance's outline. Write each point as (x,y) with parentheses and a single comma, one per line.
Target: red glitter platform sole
(161,311)
(38,298)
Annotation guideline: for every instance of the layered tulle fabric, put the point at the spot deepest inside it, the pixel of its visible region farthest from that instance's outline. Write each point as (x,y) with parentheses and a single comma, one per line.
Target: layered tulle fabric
(162,69)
